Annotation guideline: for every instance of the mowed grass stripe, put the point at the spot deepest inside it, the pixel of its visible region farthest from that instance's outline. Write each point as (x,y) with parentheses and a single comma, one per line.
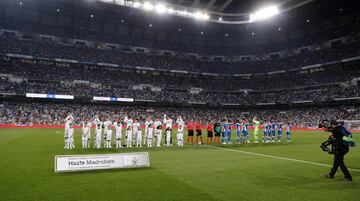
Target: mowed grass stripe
(277,157)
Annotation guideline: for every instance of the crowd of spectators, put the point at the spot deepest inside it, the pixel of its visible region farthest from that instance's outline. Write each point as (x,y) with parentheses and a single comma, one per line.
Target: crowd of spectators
(48,78)
(101,53)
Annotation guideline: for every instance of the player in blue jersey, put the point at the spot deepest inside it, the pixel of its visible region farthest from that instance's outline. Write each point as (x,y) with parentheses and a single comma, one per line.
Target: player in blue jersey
(279,128)
(268,134)
(238,132)
(224,129)
(245,132)
(229,132)
(273,130)
(265,133)
(288,132)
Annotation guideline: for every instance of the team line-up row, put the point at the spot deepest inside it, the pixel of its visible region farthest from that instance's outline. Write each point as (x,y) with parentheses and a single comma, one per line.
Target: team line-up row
(154,129)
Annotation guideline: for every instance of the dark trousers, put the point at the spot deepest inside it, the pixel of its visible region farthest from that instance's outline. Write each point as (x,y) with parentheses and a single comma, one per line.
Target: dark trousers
(339,153)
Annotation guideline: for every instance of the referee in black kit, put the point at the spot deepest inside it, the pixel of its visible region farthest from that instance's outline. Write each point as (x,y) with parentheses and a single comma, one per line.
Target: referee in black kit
(340,149)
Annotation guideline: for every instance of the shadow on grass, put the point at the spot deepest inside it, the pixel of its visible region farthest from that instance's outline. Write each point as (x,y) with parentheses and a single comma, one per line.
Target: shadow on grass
(124,170)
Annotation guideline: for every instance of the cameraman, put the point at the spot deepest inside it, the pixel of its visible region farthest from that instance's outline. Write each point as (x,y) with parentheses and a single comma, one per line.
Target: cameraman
(340,149)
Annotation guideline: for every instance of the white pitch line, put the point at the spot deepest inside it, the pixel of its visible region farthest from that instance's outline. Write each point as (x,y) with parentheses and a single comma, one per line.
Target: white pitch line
(277,157)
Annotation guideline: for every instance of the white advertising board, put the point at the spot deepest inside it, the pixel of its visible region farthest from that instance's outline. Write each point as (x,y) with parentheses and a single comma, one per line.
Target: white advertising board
(71,163)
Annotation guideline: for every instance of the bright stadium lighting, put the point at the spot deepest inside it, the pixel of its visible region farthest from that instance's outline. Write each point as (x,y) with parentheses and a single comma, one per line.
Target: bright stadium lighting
(148,6)
(136,4)
(183,12)
(160,8)
(264,13)
(201,16)
(171,11)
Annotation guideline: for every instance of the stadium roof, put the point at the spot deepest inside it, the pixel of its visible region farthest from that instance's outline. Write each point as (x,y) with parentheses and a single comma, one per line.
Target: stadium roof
(226,6)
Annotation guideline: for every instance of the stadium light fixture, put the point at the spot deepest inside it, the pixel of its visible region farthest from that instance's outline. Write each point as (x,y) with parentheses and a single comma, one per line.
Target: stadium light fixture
(160,8)
(171,11)
(264,13)
(136,4)
(148,6)
(212,16)
(201,16)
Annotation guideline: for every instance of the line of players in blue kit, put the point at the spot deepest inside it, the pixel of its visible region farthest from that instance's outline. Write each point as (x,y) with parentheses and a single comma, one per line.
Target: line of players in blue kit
(242,132)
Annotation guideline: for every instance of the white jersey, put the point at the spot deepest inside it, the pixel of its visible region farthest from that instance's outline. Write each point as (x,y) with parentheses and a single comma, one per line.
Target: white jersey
(147,123)
(107,125)
(180,121)
(150,132)
(167,122)
(129,123)
(136,127)
(85,130)
(85,127)
(156,124)
(181,128)
(118,129)
(68,120)
(98,128)
(70,132)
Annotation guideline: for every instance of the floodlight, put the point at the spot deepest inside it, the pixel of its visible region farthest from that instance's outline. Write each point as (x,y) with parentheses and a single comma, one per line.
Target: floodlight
(171,11)
(136,4)
(183,12)
(201,16)
(147,6)
(264,13)
(160,8)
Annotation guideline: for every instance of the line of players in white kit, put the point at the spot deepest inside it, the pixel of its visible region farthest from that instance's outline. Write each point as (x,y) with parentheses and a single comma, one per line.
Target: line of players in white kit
(104,131)
(133,132)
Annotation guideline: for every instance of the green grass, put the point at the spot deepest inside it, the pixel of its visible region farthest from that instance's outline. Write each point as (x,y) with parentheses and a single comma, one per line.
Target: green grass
(187,173)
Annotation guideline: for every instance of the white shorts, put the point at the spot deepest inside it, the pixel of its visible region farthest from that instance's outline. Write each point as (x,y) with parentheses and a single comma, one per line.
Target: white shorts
(180,136)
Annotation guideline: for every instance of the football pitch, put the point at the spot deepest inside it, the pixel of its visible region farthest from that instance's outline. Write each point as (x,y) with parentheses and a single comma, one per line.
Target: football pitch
(234,172)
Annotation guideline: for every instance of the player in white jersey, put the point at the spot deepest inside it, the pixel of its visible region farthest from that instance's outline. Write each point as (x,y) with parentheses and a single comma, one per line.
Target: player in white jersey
(95,122)
(168,129)
(106,125)
(180,131)
(85,135)
(70,137)
(129,130)
(68,120)
(108,134)
(89,138)
(98,131)
(118,133)
(150,134)
(147,122)
(137,132)
(180,135)
(158,131)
